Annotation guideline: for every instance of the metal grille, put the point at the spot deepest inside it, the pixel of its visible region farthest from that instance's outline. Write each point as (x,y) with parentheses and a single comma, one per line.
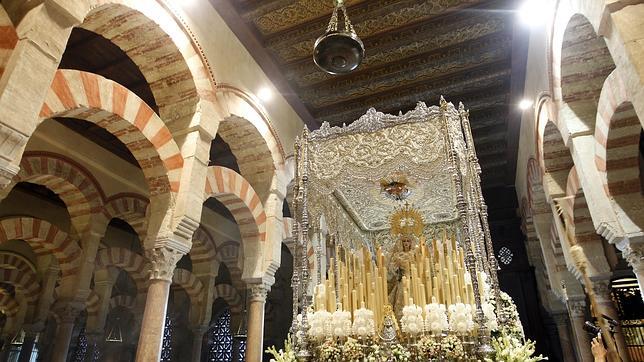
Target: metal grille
(221,349)
(628,300)
(81,347)
(166,351)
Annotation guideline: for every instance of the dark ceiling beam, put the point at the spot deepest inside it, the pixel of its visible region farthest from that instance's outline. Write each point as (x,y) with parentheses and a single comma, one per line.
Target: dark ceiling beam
(520,44)
(464,49)
(473,99)
(263,58)
(358,12)
(487,75)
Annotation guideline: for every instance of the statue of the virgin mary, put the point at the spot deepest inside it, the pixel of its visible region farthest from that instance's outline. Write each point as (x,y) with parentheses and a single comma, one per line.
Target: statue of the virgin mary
(407,226)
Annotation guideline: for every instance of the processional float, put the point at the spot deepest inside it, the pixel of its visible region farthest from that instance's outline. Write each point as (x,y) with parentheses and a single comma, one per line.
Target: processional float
(393,257)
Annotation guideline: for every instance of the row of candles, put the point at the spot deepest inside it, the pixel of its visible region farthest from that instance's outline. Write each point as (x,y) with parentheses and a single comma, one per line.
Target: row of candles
(434,276)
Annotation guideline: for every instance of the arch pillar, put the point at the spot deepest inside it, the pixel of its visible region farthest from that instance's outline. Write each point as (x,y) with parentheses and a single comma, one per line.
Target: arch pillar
(66,313)
(567,349)
(576,311)
(42,35)
(197,341)
(163,260)
(256,302)
(103,285)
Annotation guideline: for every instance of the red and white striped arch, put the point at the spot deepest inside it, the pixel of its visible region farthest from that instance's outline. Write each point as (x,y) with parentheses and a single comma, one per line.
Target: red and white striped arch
(256,153)
(577,209)
(24,281)
(74,184)
(8,304)
(9,260)
(617,137)
(8,39)
(228,252)
(162,49)
(44,238)
(133,263)
(130,208)
(556,160)
(10,308)
(230,295)
(109,105)
(203,247)
(193,286)
(238,196)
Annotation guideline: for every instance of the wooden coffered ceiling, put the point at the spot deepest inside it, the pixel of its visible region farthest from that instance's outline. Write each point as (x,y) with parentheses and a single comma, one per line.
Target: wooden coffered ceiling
(416,50)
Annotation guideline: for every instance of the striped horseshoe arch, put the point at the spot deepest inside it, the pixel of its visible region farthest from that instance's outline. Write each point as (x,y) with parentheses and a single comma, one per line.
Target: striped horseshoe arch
(134,264)
(193,286)
(76,186)
(131,209)
(229,294)
(232,190)
(109,105)
(44,238)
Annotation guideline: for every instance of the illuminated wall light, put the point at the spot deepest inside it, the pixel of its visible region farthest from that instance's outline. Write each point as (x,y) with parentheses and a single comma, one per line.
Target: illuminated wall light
(525,104)
(534,12)
(265,94)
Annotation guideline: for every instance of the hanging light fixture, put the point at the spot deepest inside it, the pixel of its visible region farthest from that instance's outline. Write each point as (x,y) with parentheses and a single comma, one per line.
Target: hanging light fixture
(115,334)
(339,50)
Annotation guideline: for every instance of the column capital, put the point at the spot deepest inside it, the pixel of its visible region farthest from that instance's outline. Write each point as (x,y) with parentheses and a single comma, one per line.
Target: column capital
(634,255)
(163,261)
(67,311)
(258,292)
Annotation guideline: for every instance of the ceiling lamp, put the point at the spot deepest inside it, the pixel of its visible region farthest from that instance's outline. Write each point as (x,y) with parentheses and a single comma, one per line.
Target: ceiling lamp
(339,50)
(115,334)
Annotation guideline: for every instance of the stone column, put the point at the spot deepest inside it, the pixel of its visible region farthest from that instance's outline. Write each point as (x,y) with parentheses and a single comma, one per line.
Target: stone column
(255,340)
(605,306)
(567,349)
(163,261)
(197,342)
(27,346)
(576,311)
(634,255)
(66,314)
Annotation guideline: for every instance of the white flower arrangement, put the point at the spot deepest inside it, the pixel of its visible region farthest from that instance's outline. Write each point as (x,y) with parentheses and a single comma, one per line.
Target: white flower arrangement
(436,318)
(341,323)
(321,324)
(283,355)
(509,316)
(363,323)
(510,349)
(412,321)
(460,318)
(490,317)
